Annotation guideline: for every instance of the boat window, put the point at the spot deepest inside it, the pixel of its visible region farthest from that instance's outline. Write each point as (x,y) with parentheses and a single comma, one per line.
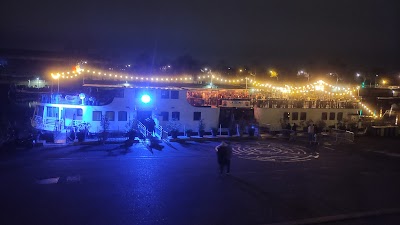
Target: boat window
(339,116)
(165,94)
(295,116)
(196,115)
(79,112)
(286,116)
(110,115)
(40,110)
(176,115)
(324,116)
(331,116)
(174,94)
(303,116)
(122,116)
(96,116)
(52,111)
(164,116)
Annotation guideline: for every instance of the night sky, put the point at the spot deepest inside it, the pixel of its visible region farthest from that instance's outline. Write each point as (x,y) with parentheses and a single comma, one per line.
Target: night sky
(355,31)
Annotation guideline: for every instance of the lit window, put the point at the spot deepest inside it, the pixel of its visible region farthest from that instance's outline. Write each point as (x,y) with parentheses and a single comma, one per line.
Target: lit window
(286,116)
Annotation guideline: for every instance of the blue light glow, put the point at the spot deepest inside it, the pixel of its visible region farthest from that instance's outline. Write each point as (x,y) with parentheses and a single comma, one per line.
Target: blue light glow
(146,98)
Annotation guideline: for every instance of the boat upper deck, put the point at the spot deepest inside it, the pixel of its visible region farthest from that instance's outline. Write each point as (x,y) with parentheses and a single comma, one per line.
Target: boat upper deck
(215,97)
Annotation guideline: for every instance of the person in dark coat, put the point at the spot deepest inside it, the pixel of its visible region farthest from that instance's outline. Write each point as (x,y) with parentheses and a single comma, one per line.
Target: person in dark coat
(224,154)
(151,124)
(228,156)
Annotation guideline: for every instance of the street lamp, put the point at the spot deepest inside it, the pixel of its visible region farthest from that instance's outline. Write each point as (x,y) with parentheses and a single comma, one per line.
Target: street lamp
(208,71)
(273,73)
(211,78)
(246,78)
(337,77)
(82,96)
(364,78)
(57,77)
(376,77)
(303,73)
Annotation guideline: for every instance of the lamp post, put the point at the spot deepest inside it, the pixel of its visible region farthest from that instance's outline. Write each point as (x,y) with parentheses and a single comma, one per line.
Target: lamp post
(337,77)
(246,78)
(211,77)
(82,97)
(208,71)
(364,78)
(303,73)
(273,74)
(57,77)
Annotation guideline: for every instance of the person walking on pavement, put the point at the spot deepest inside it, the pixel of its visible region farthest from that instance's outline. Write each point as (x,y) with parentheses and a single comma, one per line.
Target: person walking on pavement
(228,156)
(293,133)
(314,146)
(311,132)
(294,127)
(224,154)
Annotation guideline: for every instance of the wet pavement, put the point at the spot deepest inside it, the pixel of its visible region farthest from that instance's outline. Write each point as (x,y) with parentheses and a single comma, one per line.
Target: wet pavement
(272,182)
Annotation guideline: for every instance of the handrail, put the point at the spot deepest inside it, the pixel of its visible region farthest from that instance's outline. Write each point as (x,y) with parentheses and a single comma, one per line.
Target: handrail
(161,133)
(344,136)
(142,128)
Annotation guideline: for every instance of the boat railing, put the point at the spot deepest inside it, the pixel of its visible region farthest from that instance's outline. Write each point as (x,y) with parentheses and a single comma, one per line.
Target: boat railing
(305,105)
(74,99)
(161,133)
(271,103)
(142,128)
(37,122)
(49,123)
(343,136)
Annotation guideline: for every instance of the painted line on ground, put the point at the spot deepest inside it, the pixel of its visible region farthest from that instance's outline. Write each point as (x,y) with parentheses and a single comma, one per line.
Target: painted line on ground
(74,179)
(340,217)
(53,180)
(329,148)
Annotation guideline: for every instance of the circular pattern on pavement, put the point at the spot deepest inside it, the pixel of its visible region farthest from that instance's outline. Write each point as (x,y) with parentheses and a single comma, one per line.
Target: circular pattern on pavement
(271,152)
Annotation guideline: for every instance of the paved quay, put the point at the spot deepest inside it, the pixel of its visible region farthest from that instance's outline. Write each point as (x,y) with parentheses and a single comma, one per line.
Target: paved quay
(273,181)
